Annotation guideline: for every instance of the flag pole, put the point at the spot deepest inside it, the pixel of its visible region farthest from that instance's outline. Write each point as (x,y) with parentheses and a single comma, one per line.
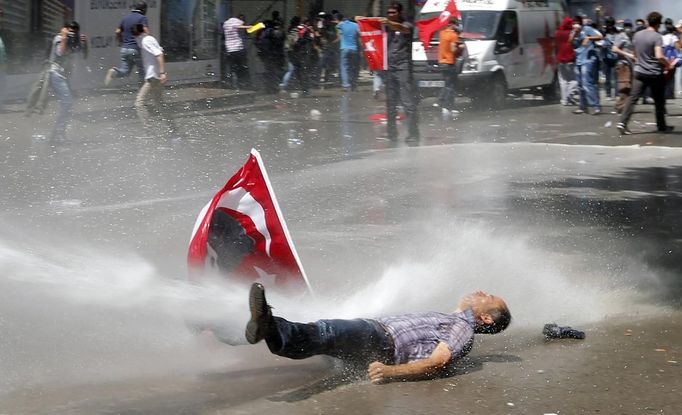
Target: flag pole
(256,154)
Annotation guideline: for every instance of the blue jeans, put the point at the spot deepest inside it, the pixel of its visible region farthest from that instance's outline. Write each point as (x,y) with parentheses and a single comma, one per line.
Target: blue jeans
(349,68)
(587,75)
(129,58)
(358,340)
(610,79)
(377,81)
(447,94)
(61,89)
(287,75)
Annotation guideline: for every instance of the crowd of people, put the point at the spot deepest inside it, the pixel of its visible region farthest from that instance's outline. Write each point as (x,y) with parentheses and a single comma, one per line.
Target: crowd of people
(637,60)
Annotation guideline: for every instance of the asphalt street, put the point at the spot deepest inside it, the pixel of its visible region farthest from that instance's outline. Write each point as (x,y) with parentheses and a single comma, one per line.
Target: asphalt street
(555,212)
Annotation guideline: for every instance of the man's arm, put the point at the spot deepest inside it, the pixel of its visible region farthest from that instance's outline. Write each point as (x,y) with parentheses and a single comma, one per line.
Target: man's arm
(162,68)
(658,52)
(592,35)
(400,27)
(421,369)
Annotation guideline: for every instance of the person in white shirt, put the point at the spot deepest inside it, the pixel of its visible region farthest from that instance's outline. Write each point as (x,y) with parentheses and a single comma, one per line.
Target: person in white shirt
(150,96)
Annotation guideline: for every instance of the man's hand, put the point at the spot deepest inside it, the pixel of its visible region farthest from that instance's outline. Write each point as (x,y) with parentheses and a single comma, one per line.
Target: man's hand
(379,373)
(420,369)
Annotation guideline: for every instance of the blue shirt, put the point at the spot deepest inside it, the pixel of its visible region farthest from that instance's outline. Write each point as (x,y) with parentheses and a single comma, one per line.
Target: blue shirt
(416,336)
(349,34)
(584,53)
(126,26)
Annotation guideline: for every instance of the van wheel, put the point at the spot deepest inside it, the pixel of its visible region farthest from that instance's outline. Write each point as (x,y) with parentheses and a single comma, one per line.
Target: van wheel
(551,92)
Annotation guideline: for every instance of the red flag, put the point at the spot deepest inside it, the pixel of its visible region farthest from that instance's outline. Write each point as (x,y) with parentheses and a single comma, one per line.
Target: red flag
(242,233)
(373,39)
(428,27)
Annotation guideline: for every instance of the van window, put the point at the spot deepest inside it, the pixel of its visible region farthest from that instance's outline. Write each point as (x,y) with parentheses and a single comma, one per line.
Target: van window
(478,25)
(508,32)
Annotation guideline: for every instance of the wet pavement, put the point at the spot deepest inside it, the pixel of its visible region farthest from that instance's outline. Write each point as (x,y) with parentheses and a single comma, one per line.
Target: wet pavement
(553,211)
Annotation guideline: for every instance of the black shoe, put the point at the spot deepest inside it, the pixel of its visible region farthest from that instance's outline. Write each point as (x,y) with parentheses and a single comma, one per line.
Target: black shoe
(261,316)
(667,129)
(412,138)
(552,331)
(623,129)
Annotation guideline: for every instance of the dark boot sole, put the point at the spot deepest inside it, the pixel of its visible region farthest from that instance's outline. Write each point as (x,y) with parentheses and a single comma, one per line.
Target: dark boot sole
(257,303)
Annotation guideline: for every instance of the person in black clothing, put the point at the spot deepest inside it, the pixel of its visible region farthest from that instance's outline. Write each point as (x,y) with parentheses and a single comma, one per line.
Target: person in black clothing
(271,52)
(300,47)
(398,78)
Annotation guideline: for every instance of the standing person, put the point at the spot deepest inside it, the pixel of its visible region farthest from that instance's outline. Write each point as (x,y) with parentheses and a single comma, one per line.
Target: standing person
(300,47)
(271,52)
(623,47)
(448,50)
(65,47)
(329,45)
(237,75)
(130,51)
(583,38)
(565,55)
(609,57)
(649,67)
(150,95)
(670,50)
(398,78)
(398,348)
(349,64)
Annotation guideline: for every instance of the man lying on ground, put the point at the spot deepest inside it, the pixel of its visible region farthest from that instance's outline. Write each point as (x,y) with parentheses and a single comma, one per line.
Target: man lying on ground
(406,347)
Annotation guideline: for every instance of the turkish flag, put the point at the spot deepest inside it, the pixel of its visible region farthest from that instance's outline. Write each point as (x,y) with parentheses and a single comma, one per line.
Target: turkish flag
(428,27)
(374,40)
(241,233)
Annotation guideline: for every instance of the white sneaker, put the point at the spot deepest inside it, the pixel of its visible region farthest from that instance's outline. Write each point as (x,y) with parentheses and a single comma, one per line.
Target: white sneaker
(435,105)
(454,112)
(445,111)
(109,76)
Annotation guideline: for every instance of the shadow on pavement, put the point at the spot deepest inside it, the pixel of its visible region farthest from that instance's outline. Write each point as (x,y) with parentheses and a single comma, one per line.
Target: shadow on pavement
(641,206)
(345,375)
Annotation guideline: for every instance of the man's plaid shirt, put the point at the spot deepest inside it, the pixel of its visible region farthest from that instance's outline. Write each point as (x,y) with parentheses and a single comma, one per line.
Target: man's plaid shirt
(416,335)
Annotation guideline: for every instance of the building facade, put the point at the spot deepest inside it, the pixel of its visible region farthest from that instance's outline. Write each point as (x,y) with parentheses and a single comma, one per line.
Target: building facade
(189,31)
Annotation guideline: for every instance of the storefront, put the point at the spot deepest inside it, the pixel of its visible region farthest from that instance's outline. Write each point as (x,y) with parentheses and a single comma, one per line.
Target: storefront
(189,31)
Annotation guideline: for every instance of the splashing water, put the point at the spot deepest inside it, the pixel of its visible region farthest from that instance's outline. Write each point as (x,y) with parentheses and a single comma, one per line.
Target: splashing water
(77,312)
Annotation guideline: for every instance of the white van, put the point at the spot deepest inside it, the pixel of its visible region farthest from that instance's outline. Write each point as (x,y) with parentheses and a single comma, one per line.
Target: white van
(509,44)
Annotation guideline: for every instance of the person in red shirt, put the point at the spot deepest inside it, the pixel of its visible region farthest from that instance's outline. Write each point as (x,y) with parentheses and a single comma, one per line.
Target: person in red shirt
(448,50)
(566,58)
